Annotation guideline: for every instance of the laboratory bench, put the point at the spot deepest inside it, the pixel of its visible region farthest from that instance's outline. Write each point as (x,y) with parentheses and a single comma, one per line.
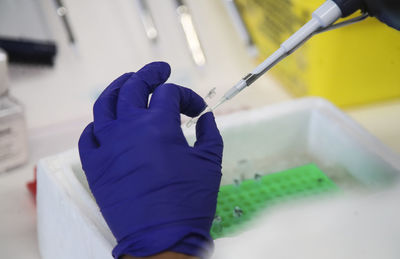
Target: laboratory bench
(58,99)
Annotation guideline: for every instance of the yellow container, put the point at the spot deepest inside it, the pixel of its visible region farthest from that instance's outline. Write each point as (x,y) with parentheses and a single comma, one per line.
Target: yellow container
(351,65)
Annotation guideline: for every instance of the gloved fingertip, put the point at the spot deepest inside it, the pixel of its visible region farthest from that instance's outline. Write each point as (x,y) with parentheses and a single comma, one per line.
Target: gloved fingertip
(205,121)
(206,125)
(208,135)
(195,104)
(164,69)
(87,139)
(178,99)
(104,108)
(155,73)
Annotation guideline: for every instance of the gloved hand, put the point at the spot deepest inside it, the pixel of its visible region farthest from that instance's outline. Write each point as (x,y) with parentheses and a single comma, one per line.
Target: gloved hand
(155,192)
(387,11)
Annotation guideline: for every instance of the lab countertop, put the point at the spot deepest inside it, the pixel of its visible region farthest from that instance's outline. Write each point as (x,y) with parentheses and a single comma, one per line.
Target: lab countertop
(111,41)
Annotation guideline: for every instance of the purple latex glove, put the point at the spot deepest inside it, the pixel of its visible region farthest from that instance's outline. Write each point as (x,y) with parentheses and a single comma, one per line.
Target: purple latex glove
(387,11)
(155,192)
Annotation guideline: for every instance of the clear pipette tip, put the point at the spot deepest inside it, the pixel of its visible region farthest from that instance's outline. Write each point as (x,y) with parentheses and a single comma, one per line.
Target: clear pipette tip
(208,109)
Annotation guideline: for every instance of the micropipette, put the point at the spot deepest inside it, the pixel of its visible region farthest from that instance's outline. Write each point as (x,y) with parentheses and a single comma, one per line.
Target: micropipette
(322,20)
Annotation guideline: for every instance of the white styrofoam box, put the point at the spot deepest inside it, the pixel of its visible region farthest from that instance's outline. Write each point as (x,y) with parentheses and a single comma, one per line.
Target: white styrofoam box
(274,138)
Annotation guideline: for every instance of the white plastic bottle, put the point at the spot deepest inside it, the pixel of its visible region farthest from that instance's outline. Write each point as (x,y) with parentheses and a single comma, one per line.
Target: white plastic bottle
(13,140)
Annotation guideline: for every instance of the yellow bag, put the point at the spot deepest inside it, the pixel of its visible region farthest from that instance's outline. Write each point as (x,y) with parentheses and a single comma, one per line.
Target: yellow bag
(353,65)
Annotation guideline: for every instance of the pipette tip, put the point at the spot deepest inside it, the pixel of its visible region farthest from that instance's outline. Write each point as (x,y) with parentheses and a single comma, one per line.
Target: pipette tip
(193,121)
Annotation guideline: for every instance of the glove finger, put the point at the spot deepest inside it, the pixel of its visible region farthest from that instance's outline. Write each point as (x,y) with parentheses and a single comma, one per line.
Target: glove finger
(104,109)
(177,99)
(87,141)
(209,139)
(89,159)
(136,90)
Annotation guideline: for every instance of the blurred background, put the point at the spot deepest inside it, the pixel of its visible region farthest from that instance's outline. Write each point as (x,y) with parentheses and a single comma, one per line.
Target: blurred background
(58,56)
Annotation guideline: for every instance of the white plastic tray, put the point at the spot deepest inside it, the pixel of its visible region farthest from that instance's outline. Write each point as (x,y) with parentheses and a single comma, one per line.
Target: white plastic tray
(274,138)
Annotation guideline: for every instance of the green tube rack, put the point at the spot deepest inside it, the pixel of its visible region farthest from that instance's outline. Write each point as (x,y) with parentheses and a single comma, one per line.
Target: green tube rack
(239,204)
